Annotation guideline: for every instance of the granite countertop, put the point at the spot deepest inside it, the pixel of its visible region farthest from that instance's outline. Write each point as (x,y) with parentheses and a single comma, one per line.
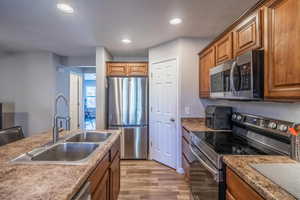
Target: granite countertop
(265,187)
(196,125)
(44,181)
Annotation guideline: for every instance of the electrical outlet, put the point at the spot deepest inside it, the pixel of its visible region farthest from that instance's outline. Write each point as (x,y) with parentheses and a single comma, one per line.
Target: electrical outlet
(187,110)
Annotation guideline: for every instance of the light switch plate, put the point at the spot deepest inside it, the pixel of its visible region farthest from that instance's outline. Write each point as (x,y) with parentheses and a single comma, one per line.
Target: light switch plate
(187,110)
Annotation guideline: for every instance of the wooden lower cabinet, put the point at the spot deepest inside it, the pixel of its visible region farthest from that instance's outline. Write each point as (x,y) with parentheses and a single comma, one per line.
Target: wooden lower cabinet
(103,190)
(229,196)
(115,175)
(239,189)
(105,179)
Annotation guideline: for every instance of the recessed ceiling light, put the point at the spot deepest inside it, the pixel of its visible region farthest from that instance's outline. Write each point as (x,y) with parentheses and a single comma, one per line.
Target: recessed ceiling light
(126,41)
(66,8)
(175,21)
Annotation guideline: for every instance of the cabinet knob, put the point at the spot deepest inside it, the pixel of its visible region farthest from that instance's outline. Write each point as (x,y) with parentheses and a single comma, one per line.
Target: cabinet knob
(172,120)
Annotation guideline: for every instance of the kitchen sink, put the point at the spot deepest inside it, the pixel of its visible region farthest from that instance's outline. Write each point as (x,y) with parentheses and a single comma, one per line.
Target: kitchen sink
(61,153)
(89,137)
(66,152)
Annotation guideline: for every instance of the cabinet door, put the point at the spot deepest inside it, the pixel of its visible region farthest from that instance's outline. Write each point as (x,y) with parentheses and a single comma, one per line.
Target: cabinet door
(282,49)
(115,176)
(137,69)
(207,60)
(223,48)
(248,34)
(239,189)
(229,196)
(98,173)
(116,69)
(102,191)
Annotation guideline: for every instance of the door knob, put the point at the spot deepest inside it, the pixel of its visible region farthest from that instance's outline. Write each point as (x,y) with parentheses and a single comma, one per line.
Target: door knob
(172,120)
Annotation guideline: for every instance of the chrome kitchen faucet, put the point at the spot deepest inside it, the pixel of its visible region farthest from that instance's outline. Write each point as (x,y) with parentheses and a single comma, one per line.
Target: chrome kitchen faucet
(67,118)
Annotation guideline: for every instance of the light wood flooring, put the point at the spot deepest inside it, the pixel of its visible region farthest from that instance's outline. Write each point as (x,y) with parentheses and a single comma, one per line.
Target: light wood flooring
(149,180)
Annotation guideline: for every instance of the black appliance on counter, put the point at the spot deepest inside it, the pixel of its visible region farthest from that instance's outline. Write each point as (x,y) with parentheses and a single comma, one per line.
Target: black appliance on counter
(7,115)
(239,79)
(250,135)
(218,117)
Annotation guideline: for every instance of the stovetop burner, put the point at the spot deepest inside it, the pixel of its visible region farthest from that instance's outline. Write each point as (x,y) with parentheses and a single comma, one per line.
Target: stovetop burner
(227,143)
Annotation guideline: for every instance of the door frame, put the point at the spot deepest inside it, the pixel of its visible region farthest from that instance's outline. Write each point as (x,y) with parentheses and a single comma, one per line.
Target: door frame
(178,110)
(80,97)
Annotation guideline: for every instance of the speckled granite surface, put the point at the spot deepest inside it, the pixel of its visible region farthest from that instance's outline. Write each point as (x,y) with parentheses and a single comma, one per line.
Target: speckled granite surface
(196,125)
(265,187)
(44,181)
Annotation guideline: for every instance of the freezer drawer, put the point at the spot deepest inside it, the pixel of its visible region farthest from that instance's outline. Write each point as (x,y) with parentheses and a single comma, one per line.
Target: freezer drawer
(134,143)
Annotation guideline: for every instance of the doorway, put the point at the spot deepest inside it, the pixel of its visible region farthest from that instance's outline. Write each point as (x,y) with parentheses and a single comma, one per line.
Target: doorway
(89,101)
(164,112)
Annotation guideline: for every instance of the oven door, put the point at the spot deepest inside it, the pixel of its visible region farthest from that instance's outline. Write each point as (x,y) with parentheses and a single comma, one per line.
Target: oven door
(204,177)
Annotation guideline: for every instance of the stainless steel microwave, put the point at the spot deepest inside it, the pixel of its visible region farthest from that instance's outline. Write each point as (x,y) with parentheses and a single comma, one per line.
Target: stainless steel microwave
(240,79)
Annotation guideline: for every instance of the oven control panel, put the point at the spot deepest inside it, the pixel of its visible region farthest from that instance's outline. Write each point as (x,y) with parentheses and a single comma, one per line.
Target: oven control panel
(272,125)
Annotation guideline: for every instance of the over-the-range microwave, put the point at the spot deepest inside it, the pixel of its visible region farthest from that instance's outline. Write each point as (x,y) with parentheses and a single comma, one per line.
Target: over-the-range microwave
(239,79)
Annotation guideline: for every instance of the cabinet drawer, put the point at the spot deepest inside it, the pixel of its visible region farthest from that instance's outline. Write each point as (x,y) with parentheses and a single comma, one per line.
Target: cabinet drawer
(99,172)
(238,188)
(186,135)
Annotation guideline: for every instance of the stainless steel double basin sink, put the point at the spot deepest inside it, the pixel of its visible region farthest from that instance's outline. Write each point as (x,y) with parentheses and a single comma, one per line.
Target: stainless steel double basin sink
(76,149)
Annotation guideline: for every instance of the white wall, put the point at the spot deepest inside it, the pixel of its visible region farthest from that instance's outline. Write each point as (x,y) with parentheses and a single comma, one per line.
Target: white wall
(283,111)
(102,55)
(186,50)
(28,80)
(189,49)
(79,61)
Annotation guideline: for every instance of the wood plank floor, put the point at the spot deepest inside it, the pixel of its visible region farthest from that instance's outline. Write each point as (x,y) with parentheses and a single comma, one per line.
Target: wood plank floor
(149,180)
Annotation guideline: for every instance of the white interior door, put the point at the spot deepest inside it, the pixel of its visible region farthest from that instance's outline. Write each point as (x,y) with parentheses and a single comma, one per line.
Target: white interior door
(76,109)
(163,112)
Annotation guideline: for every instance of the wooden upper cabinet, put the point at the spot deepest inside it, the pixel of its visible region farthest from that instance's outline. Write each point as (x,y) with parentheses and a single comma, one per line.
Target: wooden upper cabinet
(206,61)
(282,49)
(247,35)
(127,69)
(223,48)
(116,69)
(137,69)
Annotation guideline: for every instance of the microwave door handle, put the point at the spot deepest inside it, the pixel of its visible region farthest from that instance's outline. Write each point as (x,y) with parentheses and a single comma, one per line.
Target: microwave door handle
(234,64)
(210,169)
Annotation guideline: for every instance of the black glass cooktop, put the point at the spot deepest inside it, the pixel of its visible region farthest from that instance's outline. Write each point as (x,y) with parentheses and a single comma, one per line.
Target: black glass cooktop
(228,143)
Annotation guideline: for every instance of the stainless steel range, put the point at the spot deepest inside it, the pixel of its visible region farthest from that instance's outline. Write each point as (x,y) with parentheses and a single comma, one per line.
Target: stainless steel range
(251,135)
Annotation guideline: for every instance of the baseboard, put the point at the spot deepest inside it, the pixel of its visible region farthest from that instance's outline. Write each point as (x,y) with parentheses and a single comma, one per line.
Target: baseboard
(180,170)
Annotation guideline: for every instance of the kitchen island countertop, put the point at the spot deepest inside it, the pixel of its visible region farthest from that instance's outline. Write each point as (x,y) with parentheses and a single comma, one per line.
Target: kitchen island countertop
(44,181)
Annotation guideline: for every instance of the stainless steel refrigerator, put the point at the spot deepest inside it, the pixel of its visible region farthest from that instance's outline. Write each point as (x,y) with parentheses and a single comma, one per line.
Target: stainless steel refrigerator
(128,111)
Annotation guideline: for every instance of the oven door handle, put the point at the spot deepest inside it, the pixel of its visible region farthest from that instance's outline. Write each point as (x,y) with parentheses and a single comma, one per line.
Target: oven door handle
(210,169)
(234,64)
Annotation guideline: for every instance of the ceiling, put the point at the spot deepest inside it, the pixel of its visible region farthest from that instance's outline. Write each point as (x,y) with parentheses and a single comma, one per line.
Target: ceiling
(30,25)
